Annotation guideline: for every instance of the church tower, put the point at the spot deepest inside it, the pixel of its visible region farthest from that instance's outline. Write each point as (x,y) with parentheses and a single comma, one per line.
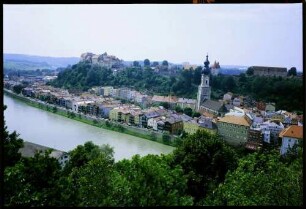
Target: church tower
(204,90)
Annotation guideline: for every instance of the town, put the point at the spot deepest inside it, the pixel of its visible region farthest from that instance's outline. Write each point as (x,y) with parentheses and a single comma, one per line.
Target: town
(153,105)
(239,120)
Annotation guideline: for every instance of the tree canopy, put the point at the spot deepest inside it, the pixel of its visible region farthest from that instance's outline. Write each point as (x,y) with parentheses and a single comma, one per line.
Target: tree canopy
(205,160)
(292,72)
(261,179)
(146,63)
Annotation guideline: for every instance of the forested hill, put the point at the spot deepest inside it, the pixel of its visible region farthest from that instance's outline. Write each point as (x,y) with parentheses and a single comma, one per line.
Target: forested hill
(287,93)
(32,62)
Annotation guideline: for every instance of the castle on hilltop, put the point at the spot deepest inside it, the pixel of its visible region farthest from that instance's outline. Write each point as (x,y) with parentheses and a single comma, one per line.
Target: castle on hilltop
(269,71)
(104,60)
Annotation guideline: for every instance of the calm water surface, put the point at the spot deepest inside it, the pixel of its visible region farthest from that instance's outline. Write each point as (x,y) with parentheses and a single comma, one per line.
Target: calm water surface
(48,129)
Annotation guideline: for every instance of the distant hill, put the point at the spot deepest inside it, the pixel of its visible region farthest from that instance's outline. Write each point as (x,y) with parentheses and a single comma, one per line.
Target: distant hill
(32,62)
(25,65)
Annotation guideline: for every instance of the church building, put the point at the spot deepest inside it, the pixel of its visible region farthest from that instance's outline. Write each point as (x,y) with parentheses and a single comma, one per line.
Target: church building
(204,102)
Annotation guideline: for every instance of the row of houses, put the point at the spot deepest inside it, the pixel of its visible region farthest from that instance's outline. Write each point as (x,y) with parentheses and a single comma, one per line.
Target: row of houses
(142,99)
(240,101)
(239,126)
(156,118)
(160,119)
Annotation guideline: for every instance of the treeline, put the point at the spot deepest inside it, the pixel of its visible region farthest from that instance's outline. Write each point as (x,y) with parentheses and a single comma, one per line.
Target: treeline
(38,72)
(83,76)
(287,93)
(203,170)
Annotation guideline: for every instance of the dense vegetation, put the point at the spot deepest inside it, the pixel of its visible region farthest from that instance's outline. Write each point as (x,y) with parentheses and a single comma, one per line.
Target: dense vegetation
(287,93)
(203,170)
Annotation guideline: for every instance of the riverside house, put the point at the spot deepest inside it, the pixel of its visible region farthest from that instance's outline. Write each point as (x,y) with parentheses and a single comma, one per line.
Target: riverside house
(234,129)
(290,136)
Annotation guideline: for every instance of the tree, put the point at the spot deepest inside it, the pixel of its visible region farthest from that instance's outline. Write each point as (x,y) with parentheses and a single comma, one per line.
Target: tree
(32,181)
(166,138)
(165,63)
(82,154)
(250,71)
(154,64)
(54,109)
(261,179)
(292,72)
(94,183)
(153,136)
(229,84)
(11,145)
(179,109)
(166,105)
(205,160)
(152,182)
(136,64)
(146,63)
(188,111)
(196,114)
(17,89)
(197,75)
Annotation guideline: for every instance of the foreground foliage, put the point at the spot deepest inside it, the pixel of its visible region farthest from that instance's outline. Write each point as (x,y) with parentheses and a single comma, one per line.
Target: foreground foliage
(203,170)
(262,179)
(205,160)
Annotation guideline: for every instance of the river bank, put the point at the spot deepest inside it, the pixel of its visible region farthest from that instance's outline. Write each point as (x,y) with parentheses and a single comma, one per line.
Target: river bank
(97,122)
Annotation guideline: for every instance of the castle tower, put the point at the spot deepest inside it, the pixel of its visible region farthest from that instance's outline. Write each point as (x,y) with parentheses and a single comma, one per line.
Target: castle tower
(204,90)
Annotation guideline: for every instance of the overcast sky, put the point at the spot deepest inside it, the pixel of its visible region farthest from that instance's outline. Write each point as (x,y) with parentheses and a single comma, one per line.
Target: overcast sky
(241,34)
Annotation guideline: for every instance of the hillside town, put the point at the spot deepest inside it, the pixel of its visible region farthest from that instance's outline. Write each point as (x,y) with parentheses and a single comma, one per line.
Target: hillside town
(238,120)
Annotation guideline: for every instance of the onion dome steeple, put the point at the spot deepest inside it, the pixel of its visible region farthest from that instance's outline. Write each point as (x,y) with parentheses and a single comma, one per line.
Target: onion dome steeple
(206,69)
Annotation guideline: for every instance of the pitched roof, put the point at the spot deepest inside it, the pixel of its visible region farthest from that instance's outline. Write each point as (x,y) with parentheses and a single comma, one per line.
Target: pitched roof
(205,122)
(234,120)
(293,131)
(173,120)
(213,105)
(157,98)
(185,118)
(185,100)
(30,149)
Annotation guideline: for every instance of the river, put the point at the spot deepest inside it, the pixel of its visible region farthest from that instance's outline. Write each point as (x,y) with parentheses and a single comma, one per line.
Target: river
(61,133)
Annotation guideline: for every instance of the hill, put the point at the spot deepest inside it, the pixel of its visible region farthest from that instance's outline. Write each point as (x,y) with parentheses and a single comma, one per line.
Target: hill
(33,62)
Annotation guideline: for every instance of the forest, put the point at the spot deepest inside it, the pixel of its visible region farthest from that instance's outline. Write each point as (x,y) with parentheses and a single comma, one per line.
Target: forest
(203,170)
(287,92)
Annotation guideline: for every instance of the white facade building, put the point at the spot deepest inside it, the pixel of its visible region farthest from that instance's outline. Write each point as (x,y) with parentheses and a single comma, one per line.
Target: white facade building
(290,136)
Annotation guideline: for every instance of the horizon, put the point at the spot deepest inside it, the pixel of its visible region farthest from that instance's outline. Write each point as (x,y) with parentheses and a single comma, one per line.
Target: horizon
(274,30)
(234,65)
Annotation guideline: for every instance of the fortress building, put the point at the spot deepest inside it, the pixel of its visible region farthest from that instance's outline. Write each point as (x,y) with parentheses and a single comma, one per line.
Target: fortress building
(269,71)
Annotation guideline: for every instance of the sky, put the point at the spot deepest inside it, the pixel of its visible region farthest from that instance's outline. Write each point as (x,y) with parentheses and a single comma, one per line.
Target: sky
(232,34)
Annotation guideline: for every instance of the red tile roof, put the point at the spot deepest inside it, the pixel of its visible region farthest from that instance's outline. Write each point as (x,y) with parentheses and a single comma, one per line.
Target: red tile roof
(293,131)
